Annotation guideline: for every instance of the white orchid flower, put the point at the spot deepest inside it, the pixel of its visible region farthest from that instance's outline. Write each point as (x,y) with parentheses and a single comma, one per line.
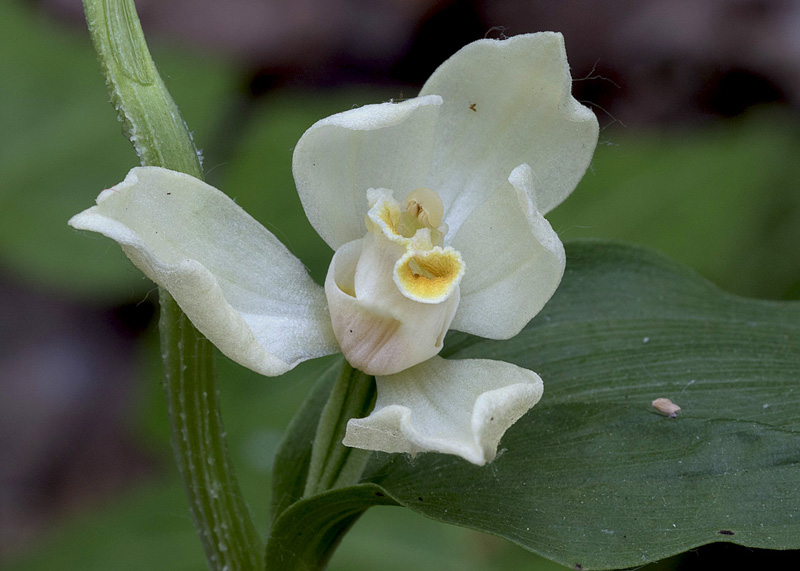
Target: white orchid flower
(434,207)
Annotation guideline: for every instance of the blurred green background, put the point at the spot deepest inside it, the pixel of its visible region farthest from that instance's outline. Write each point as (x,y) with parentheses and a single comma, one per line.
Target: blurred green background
(699,164)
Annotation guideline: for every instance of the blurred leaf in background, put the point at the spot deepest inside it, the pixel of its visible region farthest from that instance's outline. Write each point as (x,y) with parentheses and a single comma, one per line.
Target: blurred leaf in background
(61,143)
(724,200)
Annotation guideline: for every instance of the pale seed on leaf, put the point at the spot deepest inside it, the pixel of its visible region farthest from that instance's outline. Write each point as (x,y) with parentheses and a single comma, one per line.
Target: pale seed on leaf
(666,407)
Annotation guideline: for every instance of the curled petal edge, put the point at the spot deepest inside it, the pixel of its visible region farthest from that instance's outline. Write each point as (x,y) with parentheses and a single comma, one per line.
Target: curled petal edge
(514,257)
(508,102)
(454,407)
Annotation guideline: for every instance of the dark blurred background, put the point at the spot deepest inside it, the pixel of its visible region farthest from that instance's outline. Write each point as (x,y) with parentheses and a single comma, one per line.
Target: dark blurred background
(698,157)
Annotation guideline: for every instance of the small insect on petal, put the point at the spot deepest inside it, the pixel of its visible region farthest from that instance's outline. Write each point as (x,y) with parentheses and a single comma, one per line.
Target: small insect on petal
(667,407)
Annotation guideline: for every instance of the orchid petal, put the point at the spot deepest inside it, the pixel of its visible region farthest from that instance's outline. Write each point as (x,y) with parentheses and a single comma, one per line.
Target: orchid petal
(454,407)
(514,258)
(234,280)
(385,145)
(507,103)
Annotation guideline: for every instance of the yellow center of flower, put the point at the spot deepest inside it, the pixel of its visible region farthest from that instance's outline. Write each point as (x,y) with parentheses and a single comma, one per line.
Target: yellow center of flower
(423,211)
(429,276)
(426,271)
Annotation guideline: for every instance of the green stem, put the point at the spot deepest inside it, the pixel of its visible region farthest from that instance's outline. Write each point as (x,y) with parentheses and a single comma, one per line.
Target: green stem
(149,116)
(152,121)
(221,516)
(332,464)
(317,494)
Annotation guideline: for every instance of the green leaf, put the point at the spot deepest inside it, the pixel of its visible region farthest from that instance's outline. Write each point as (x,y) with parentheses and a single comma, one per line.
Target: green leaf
(305,535)
(593,477)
